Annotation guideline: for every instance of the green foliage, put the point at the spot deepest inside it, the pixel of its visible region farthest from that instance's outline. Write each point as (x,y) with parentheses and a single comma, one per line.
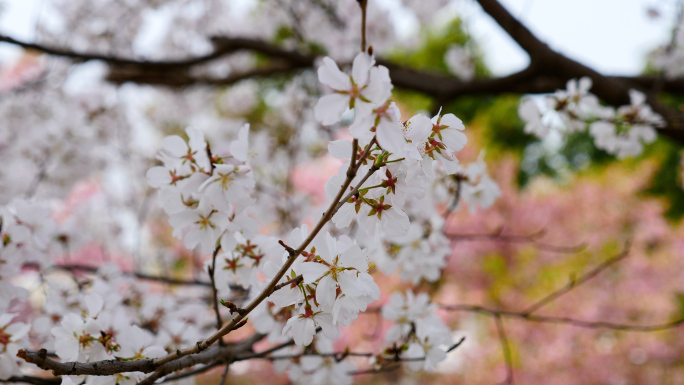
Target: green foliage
(667,182)
(679,300)
(467,108)
(502,127)
(415,101)
(580,151)
(430,54)
(575,152)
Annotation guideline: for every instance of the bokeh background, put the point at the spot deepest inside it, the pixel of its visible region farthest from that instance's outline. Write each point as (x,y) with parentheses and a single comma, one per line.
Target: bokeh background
(562,188)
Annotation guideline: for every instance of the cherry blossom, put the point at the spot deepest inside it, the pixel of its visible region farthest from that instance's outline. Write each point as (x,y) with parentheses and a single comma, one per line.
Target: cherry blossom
(304,324)
(367,84)
(12,338)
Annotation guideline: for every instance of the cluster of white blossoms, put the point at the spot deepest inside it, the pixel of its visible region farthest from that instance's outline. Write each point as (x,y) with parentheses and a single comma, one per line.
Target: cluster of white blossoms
(13,336)
(416,322)
(670,58)
(330,282)
(109,317)
(405,154)
(335,287)
(621,131)
(318,366)
(415,255)
(116,318)
(26,236)
(404,180)
(205,195)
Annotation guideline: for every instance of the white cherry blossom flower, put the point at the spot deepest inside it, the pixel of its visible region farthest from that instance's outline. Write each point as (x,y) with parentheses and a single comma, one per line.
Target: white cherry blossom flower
(367,84)
(338,266)
(137,343)
(480,190)
(383,121)
(12,338)
(428,343)
(529,113)
(201,226)
(228,185)
(304,325)
(76,339)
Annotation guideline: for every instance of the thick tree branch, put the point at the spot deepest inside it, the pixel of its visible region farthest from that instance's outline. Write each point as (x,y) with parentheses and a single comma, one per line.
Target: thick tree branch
(99,368)
(546,62)
(548,71)
(110,367)
(222,47)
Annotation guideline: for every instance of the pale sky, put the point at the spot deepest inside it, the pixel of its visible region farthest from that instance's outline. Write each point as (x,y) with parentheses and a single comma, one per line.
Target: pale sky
(612,36)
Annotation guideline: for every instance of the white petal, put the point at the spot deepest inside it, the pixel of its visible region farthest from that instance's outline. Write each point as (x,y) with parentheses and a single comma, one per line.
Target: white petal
(450,120)
(361,67)
(326,291)
(239,148)
(158,177)
(330,108)
(418,129)
(454,139)
(331,75)
(390,136)
(340,149)
(175,145)
(379,88)
(311,271)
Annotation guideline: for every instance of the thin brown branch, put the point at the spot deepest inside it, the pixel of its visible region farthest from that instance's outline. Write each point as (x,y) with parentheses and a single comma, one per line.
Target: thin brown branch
(91,269)
(500,237)
(214,291)
(363,4)
(294,280)
(224,376)
(384,369)
(355,153)
(285,344)
(395,366)
(300,355)
(289,249)
(574,283)
(565,320)
(506,349)
(192,373)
